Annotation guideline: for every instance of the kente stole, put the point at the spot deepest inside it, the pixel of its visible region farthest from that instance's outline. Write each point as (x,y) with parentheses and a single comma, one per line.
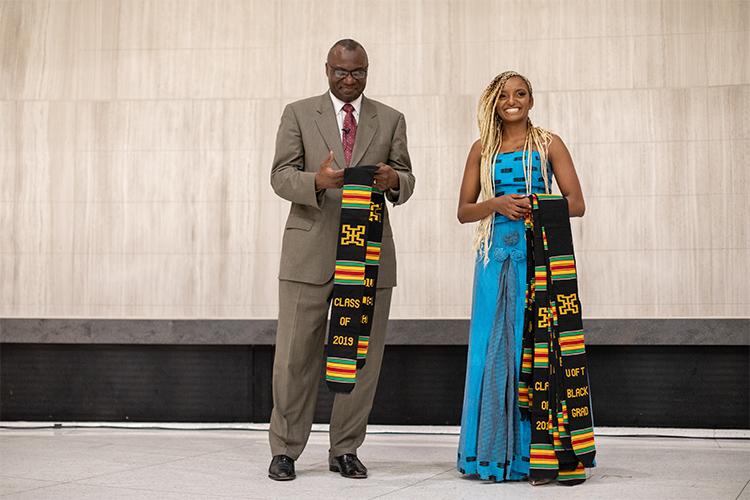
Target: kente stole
(553,384)
(355,278)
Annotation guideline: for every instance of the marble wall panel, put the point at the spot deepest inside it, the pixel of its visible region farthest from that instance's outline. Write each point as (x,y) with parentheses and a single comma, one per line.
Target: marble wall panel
(726,116)
(437,121)
(576,64)
(372,21)
(626,116)
(686,60)
(39,176)
(195,73)
(449,288)
(96,74)
(662,168)
(732,155)
(37,228)
(440,170)
(538,19)
(670,282)
(727,15)
(152,24)
(662,220)
(98,25)
(213,175)
(39,47)
(45,126)
(176,125)
(649,61)
(470,24)
(415,232)
(36,285)
(188,286)
(728,64)
(136,138)
(688,16)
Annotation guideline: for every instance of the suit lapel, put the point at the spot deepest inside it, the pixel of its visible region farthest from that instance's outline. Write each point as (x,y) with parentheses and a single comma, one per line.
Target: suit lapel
(328,127)
(366,128)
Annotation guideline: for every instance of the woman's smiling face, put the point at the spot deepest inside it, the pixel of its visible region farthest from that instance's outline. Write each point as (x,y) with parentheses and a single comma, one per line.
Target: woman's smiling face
(515,101)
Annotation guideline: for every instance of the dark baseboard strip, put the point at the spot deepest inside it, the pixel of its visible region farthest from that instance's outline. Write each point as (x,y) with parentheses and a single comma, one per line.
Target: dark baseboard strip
(631,386)
(698,331)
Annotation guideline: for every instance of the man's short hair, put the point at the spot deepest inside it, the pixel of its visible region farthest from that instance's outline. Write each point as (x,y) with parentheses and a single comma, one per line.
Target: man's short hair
(348,44)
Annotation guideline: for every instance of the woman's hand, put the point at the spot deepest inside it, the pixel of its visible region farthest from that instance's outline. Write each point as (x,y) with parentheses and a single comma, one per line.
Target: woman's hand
(513,206)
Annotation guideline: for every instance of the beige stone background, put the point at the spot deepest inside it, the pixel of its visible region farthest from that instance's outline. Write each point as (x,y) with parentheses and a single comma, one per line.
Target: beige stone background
(136,138)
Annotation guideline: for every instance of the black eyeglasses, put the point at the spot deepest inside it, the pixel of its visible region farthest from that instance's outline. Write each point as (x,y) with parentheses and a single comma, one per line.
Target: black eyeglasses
(357,74)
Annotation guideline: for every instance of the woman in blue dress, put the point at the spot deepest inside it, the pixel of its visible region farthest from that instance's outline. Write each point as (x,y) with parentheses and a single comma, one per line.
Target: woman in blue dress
(511,160)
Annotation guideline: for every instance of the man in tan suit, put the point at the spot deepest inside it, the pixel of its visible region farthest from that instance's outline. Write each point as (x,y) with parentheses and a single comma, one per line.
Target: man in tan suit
(318,137)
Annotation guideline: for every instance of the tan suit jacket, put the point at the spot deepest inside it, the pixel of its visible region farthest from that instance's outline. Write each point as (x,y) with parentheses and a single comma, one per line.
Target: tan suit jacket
(308,131)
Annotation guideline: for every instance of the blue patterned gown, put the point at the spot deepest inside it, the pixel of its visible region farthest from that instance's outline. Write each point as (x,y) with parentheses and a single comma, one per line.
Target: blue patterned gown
(494,443)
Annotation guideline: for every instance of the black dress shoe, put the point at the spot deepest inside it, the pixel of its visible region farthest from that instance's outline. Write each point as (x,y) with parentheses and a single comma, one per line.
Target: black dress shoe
(281,468)
(349,466)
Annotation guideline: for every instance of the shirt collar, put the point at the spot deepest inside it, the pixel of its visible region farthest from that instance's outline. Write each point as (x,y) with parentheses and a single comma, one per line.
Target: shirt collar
(338,103)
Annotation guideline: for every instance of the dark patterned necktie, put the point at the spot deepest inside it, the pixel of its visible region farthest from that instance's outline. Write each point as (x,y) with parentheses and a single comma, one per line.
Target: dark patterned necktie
(349,132)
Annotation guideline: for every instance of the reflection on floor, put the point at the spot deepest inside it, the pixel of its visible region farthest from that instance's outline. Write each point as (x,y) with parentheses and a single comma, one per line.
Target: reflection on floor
(104,463)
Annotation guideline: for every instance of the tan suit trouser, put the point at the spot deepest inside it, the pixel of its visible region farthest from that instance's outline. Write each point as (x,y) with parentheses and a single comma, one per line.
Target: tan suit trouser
(297,369)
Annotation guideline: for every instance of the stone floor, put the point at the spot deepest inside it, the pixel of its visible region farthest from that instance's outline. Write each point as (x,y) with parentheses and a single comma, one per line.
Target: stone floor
(133,463)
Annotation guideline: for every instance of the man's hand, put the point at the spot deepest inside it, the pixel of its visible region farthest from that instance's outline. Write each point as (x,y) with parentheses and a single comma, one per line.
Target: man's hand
(386,177)
(327,177)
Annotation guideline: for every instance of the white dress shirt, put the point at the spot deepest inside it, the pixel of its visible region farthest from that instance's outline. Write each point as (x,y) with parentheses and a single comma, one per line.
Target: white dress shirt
(338,107)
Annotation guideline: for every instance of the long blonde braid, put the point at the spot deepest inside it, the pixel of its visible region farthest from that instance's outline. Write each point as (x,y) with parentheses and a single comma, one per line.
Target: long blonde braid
(491,138)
